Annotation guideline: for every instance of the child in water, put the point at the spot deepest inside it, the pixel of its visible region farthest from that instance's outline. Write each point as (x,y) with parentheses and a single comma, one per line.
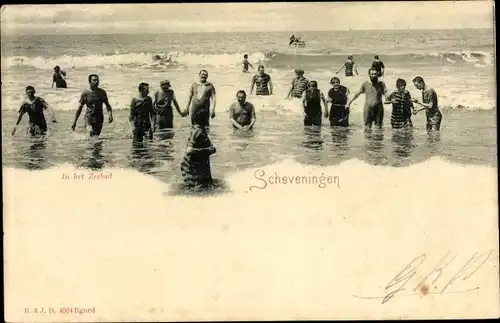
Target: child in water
(195,167)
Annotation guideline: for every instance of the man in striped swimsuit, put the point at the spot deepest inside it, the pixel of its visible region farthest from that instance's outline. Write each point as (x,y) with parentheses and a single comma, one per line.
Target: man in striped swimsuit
(262,82)
(299,85)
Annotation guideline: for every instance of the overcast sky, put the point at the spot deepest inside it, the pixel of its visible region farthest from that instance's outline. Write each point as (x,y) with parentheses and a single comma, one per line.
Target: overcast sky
(214,17)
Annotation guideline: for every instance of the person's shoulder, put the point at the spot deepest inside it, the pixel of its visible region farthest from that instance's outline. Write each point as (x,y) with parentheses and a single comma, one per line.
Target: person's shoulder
(250,105)
(100,91)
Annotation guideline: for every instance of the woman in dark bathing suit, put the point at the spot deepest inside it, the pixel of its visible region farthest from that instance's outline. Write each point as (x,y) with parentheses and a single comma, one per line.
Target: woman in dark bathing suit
(337,96)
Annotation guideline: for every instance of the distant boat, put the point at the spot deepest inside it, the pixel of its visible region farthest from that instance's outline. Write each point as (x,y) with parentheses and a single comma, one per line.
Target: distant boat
(296,42)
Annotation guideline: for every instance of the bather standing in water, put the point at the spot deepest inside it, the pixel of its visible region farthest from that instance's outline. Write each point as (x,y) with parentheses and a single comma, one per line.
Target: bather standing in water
(163,100)
(34,107)
(202,98)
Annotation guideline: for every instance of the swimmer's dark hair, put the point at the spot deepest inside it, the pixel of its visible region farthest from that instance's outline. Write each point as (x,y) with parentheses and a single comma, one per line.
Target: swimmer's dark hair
(245,56)
(57,67)
(29,87)
(260,66)
(202,72)
(350,57)
(418,79)
(142,86)
(376,57)
(400,82)
(242,92)
(92,75)
(313,81)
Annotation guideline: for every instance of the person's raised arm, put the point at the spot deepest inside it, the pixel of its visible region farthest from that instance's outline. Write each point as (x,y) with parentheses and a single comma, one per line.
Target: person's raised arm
(429,105)
(81,103)
(108,106)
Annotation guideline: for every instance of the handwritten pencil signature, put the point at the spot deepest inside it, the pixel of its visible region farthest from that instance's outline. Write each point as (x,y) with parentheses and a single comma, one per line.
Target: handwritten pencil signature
(439,280)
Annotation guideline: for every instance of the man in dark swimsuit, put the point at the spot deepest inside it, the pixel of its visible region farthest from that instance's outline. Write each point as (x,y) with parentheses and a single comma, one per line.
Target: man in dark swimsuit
(93,98)
(312,99)
(349,67)
(402,106)
(163,100)
(59,78)
(34,106)
(378,65)
(374,105)
(202,98)
(246,64)
(262,82)
(337,97)
(429,104)
(242,113)
(142,114)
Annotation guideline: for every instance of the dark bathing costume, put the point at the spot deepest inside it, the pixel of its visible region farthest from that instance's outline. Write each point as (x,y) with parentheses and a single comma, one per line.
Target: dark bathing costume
(37,122)
(374,108)
(60,82)
(337,110)
(348,68)
(245,65)
(313,108)
(434,116)
(203,103)
(261,82)
(94,116)
(195,167)
(140,112)
(164,112)
(242,114)
(401,110)
(378,66)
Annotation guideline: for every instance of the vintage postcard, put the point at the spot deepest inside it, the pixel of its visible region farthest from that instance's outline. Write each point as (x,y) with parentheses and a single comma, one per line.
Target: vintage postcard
(249,161)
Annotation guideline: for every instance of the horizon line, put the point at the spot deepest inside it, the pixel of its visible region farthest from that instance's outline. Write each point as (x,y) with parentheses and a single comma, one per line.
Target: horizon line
(232,32)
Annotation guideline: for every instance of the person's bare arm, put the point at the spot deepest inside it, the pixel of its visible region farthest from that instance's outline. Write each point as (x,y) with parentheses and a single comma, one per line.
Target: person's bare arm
(176,104)
(253,85)
(79,110)
(288,96)
(46,106)
(340,69)
(22,111)
(254,118)
(214,102)
(361,91)
(270,86)
(324,102)
(108,107)
(190,98)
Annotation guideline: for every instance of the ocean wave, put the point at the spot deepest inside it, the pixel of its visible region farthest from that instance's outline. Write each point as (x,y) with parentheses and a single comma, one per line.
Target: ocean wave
(143,60)
(277,59)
